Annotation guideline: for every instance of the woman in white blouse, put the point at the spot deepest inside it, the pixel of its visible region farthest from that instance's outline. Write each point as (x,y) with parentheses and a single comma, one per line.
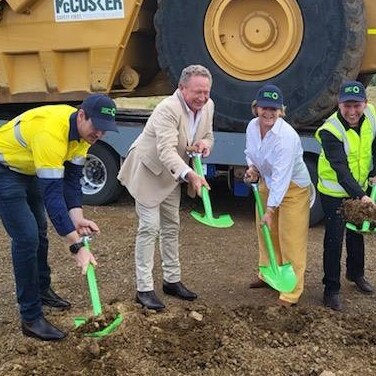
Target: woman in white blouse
(274,157)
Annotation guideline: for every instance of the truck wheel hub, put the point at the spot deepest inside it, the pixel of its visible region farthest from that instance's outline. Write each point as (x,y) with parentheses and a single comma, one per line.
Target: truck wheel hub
(253,40)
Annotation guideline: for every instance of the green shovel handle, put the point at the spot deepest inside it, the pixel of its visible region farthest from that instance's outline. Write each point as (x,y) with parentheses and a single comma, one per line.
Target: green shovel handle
(373,193)
(265,229)
(197,165)
(92,282)
(366,224)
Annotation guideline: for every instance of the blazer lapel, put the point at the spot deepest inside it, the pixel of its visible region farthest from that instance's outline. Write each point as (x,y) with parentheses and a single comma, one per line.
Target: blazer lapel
(184,119)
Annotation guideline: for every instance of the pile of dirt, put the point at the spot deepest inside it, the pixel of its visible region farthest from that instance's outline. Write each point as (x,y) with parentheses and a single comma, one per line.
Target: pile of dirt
(103,323)
(229,330)
(356,212)
(201,340)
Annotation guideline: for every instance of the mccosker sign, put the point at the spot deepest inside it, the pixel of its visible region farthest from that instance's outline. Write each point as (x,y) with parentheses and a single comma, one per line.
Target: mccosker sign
(81,10)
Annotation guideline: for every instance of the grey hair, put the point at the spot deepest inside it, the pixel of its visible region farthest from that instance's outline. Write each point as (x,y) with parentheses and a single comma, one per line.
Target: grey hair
(194,70)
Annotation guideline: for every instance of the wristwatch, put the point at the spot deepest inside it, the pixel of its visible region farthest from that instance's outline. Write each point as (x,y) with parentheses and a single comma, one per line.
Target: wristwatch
(75,247)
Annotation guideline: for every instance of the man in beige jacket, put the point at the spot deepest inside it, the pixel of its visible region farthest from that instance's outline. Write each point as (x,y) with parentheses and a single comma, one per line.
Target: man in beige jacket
(156,164)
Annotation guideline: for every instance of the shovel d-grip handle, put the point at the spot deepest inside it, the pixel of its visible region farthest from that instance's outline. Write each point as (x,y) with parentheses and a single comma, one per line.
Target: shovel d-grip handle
(92,282)
(197,165)
(265,228)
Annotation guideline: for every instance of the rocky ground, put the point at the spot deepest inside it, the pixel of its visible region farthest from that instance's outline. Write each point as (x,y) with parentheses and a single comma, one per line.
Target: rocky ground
(229,330)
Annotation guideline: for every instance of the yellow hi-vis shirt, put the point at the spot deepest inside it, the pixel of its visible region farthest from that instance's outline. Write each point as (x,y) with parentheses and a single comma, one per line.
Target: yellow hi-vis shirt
(358,149)
(37,142)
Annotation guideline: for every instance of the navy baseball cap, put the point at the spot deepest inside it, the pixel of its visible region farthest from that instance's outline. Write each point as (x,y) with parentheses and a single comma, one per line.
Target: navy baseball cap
(269,96)
(101,109)
(352,91)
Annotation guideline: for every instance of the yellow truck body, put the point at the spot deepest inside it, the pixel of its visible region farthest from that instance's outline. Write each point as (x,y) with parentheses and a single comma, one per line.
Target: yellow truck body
(61,50)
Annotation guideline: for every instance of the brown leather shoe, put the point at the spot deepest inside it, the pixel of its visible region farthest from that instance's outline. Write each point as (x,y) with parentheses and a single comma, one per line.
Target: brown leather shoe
(285,303)
(258,284)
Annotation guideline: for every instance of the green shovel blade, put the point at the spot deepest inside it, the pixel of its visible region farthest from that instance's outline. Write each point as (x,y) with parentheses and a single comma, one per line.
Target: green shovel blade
(223,221)
(365,228)
(96,303)
(283,279)
(78,321)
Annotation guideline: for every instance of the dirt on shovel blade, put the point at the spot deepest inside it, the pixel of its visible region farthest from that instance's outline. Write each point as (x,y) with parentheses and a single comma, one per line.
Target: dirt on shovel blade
(98,323)
(356,212)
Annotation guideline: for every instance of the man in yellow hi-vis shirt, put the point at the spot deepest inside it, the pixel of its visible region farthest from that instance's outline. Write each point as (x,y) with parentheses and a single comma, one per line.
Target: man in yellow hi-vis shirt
(42,153)
(346,163)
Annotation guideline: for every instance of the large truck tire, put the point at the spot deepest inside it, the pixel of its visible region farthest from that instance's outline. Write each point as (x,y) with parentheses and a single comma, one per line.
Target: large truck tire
(99,183)
(316,212)
(330,50)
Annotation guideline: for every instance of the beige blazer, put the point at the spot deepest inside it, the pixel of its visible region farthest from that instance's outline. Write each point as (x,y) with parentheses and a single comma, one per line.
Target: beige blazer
(152,168)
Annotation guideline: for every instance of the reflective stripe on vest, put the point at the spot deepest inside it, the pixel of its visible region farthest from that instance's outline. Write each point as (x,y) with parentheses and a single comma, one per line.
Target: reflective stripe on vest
(372,119)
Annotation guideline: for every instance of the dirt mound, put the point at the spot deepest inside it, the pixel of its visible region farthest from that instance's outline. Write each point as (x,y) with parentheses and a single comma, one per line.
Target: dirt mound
(230,330)
(356,212)
(213,341)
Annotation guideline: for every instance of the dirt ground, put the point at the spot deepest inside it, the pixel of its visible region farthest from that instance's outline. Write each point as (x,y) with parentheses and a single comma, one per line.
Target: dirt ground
(229,330)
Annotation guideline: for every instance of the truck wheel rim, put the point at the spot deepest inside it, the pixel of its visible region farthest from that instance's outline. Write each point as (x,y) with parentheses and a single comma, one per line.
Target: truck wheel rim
(253,40)
(94,175)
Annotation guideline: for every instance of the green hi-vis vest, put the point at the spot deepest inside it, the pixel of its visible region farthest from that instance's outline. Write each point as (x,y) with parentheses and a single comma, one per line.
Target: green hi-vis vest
(358,148)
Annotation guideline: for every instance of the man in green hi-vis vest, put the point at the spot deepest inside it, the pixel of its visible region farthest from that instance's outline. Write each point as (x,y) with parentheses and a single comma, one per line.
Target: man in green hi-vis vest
(344,170)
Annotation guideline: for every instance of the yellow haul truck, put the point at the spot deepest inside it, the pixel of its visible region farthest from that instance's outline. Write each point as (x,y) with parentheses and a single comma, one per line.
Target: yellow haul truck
(60,50)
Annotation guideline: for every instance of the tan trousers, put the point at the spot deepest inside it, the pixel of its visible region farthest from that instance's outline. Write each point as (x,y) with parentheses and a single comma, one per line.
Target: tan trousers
(289,234)
(159,221)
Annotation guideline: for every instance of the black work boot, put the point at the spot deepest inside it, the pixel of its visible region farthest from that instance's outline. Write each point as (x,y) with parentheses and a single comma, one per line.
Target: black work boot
(42,330)
(332,301)
(362,284)
(51,299)
(149,300)
(178,290)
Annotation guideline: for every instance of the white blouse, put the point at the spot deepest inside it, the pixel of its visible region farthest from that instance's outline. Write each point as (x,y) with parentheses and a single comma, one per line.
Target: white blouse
(278,157)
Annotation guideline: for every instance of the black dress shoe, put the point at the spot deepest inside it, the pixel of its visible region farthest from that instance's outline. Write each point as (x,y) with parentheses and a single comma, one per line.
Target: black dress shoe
(51,299)
(42,329)
(179,290)
(332,301)
(362,284)
(149,300)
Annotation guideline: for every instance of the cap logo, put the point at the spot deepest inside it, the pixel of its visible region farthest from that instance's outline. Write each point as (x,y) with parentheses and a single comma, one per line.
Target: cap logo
(271,94)
(108,111)
(352,89)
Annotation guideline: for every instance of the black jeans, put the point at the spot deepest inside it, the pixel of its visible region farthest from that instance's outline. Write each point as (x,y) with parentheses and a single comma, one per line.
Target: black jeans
(23,215)
(333,240)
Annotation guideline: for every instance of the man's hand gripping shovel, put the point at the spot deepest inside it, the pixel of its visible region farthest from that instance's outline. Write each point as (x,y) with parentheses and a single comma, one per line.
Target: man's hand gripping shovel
(96,304)
(280,277)
(224,220)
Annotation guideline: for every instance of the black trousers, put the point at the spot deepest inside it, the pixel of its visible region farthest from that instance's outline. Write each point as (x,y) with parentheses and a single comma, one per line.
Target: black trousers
(333,240)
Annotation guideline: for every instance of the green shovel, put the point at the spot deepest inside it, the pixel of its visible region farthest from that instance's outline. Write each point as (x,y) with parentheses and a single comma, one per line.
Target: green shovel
(280,277)
(96,303)
(224,220)
(366,224)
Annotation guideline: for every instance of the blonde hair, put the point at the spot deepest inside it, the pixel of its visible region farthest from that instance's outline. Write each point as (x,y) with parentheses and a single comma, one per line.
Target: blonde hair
(254,109)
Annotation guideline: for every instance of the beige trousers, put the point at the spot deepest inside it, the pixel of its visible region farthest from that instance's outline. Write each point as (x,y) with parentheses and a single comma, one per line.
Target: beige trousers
(163,222)
(289,234)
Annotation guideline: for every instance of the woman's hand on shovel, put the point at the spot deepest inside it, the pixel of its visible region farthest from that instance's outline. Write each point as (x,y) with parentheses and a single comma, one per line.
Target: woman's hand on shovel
(267,218)
(83,259)
(252,175)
